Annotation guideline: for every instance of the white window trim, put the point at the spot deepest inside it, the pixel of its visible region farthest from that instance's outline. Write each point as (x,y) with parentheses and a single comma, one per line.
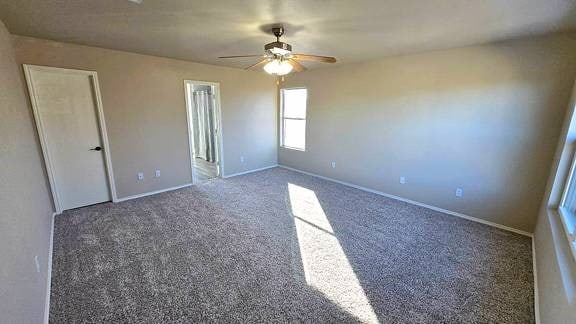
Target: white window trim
(282,118)
(569,219)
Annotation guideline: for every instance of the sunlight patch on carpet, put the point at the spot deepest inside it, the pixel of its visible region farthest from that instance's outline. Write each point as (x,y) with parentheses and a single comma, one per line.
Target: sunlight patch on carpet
(326,267)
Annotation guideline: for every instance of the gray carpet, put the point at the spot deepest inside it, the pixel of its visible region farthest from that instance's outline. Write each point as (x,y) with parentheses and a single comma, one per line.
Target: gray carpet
(279,246)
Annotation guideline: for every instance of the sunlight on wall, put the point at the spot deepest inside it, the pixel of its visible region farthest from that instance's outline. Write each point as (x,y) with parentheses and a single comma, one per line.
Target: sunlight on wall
(326,267)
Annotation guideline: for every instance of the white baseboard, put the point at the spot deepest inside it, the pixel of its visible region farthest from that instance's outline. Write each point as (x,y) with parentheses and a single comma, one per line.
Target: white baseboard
(188,185)
(438,209)
(249,171)
(535,272)
(49,271)
(152,193)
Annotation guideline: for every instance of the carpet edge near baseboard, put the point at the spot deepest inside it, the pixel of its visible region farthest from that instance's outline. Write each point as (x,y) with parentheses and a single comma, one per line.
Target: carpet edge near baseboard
(413,202)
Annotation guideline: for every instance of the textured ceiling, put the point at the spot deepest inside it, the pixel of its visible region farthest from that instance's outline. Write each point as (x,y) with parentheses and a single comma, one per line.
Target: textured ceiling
(352,31)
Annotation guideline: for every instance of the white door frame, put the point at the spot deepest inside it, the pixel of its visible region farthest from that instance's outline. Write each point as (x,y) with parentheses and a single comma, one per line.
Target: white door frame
(218,115)
(42,134)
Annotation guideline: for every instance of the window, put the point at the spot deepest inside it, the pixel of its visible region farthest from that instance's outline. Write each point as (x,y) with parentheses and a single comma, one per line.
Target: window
(293,118)
(568,207)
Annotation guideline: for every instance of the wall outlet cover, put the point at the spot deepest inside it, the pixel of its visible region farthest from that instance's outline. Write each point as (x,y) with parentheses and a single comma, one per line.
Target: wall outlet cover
(157,174)
(459,192)
(333,165)
(140,176)
(403,180)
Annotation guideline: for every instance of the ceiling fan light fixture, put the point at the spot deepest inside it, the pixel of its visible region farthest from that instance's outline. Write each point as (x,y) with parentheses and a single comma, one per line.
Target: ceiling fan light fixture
(278,67)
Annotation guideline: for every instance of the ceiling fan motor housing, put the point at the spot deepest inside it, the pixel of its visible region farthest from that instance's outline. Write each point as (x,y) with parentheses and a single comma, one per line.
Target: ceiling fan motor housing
(278,47)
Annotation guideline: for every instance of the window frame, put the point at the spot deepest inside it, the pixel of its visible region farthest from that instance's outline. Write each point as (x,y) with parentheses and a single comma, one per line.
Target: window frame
(568,218)
(282,119)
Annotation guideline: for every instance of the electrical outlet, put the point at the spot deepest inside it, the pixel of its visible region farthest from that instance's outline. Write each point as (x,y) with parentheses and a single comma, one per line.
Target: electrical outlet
(459,192)
(403,180)
(333,165)
(241,159)
(140,176)
(157,174)
(37,263)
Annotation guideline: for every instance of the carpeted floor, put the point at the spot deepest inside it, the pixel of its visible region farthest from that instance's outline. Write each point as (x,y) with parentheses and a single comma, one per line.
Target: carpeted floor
(279,246)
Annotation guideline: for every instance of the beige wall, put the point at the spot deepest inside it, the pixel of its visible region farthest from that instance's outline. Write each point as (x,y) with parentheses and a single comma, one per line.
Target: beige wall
(556,267)
(25,205)
(483,118)
(144,107)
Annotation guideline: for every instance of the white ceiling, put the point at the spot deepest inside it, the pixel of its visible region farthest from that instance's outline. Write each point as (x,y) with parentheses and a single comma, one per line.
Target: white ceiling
(202,30)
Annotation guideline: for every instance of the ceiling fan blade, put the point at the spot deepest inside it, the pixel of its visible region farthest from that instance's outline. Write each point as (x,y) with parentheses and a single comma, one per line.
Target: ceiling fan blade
(297,66)
(239,56)
(314,58)
(259,64)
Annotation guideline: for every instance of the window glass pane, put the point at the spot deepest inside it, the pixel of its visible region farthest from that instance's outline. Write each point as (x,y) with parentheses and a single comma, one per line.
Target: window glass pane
(294,133)
(570,202)
(567,210)
(294,103)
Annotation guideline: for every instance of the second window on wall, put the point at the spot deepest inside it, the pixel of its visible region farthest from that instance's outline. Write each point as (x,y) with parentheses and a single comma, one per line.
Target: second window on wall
(293,121)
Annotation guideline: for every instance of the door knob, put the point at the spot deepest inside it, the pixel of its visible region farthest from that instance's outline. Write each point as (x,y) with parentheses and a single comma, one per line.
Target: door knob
(97,148)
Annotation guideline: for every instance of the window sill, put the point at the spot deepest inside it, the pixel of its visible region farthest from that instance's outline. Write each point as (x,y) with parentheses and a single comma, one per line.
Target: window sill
(293,148)
(569,223)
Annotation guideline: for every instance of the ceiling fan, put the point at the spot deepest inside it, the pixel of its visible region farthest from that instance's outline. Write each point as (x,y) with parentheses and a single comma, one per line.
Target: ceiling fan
(278,58)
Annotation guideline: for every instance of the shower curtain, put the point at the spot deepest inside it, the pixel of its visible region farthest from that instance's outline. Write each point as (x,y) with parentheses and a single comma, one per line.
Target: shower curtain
(204,135)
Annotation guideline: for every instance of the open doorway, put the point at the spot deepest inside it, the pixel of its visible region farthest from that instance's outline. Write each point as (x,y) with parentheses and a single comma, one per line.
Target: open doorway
(204,123)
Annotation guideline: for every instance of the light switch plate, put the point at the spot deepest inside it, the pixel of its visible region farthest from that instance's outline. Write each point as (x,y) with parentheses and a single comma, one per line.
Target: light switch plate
(37,263)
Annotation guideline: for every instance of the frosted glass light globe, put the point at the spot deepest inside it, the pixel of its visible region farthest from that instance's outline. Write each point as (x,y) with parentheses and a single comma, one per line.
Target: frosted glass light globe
(278,67)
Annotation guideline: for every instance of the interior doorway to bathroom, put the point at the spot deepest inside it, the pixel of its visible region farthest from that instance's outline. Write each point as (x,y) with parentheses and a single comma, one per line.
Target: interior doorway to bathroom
(204,129)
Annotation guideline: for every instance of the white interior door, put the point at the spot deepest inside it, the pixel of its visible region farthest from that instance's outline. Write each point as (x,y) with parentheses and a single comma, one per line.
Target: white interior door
(65,107)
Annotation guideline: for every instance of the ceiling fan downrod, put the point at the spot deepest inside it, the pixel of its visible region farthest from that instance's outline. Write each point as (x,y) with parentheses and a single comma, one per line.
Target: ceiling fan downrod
(278,32)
